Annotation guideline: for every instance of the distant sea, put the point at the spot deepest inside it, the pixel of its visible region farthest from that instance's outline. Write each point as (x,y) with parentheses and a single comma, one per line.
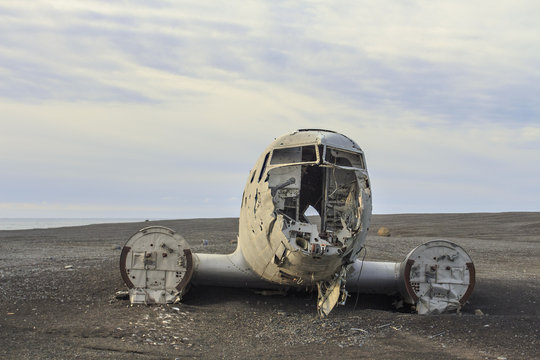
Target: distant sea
(45,223)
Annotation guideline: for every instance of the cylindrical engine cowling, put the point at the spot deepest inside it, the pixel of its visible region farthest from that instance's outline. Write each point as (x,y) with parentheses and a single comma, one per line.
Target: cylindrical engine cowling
(437,276)
(156,264)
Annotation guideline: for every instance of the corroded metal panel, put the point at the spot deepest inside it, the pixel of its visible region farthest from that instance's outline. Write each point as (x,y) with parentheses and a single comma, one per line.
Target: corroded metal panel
(318,170)
(156,265)
(305,213)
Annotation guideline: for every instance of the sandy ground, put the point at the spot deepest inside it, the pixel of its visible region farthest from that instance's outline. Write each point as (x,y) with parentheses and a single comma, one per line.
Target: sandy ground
(48,311)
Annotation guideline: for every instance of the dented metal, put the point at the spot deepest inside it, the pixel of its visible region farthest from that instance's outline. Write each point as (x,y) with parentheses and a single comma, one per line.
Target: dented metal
(304,218)
(318,170)
(439,276)
(436,277)
(156,264)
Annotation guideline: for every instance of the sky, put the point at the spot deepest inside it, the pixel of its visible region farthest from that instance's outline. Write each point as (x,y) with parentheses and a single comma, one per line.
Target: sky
(159,109)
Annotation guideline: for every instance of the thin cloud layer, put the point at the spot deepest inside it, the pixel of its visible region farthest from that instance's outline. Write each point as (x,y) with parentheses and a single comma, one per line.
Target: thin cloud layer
(159,105)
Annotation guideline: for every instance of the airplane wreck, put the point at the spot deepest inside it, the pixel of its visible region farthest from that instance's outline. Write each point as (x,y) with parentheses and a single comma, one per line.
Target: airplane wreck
(281,244)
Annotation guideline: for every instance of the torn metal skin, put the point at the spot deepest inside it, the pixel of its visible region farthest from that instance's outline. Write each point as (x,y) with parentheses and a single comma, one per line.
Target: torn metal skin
(305,213)
(280,241)
(438,276)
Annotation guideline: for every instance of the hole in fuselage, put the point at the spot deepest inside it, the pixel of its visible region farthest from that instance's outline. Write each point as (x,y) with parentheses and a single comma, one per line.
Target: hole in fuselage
(311,191)
(320,195)
(313,216)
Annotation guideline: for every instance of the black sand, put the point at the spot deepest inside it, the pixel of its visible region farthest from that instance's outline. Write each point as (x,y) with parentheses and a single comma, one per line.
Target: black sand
(50,312)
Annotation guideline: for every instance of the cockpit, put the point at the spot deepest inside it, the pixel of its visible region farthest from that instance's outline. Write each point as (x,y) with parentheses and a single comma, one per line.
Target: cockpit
(318,190)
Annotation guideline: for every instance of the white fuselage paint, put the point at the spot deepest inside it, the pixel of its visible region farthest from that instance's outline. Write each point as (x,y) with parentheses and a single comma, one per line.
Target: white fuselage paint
(319,170)
(304,218)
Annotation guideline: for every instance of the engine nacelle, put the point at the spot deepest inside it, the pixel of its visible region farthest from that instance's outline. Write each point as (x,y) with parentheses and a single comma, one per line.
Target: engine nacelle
(436,277)
(157,265)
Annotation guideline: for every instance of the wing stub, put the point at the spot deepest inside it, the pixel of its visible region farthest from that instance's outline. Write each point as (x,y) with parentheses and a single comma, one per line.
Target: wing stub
(156,265)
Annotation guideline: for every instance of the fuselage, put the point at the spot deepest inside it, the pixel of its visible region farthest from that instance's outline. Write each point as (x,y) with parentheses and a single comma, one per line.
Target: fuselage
(304,217)
(306,208)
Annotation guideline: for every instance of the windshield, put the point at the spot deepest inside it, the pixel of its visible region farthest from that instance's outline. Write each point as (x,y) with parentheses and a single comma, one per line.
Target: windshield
(344,158)
(294,155)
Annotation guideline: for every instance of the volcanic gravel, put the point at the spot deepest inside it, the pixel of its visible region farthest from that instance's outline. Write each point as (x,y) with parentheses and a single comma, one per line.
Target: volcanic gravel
(58,286)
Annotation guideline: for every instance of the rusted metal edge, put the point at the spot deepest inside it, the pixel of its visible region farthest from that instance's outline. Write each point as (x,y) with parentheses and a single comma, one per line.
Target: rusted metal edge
(189,271)
(472,282)
(123,272)
(407,276)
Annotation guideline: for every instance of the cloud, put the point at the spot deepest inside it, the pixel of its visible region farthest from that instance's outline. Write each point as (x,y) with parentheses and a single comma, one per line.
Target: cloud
(129,104)
(404,53)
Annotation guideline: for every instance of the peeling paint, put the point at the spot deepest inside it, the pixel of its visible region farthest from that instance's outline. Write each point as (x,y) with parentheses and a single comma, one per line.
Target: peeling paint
(282,245)
(318,170)
(156,265)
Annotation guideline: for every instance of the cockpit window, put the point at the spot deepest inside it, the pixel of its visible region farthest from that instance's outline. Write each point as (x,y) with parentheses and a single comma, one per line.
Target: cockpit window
(294,155)
(263,168)
(344,158)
